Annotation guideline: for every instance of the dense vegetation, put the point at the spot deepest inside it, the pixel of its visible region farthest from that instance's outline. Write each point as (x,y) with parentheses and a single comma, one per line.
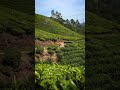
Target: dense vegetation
(108,9)
(47,28)
(10,67)
(12,57)
(43,35)
(100,25)
(14,26)
(58,77)
(72,24)
(102,53)
(24,6)
(14,22)
(74,53)
(68,72)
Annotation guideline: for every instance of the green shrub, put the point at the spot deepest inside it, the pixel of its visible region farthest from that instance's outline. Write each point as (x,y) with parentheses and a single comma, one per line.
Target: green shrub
(17,31)
(51,52)
(6,70)
(12,57)
(60,55)
(58,77)
(39,50)
(48,61)
(53,48)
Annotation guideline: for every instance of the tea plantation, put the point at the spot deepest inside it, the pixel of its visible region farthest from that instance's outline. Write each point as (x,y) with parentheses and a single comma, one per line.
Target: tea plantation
(69,71)
(102,53)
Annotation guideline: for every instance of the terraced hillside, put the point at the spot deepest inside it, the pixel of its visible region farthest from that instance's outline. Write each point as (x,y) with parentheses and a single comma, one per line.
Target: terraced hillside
(15,28)
(25,6)
(102,53)
(12,21)
(53,30)
(59,54)
(95,22)
(47,29)
(15,62)
(74,53)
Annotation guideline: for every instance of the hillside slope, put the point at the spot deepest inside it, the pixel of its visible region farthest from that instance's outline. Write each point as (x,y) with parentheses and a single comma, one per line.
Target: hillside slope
(14,22)
(73,52)
(15,29)
(25,6)
(53,30)
(94,23)
(102,53)
(58,47)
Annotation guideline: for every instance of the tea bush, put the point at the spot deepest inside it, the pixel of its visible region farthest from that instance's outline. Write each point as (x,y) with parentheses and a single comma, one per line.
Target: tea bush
(39,50)
(12,57)
(58,77)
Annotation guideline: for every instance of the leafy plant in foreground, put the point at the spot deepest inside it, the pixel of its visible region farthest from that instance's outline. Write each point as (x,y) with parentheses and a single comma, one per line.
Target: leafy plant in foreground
(58,77)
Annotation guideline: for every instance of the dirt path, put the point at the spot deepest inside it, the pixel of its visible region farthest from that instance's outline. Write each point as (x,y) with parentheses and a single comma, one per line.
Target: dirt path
(59,43)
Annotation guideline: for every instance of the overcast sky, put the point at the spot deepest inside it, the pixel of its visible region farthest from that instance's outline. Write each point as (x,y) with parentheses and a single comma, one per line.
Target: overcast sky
(68,8)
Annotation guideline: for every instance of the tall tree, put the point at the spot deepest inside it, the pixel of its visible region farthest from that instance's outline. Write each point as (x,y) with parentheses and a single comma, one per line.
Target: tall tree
(52,12)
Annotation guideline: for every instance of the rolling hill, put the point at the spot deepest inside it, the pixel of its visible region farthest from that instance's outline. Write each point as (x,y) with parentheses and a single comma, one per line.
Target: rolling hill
(47,28)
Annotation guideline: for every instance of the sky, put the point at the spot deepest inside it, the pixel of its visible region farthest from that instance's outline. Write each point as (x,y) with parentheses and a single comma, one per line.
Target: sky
(70,9)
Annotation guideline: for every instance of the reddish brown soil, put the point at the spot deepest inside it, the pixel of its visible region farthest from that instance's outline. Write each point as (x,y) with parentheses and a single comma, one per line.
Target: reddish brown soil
(7,40)
(59,43)
(45,56)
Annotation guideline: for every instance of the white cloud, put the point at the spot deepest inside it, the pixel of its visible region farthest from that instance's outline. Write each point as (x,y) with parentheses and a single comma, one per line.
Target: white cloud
(69,8)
